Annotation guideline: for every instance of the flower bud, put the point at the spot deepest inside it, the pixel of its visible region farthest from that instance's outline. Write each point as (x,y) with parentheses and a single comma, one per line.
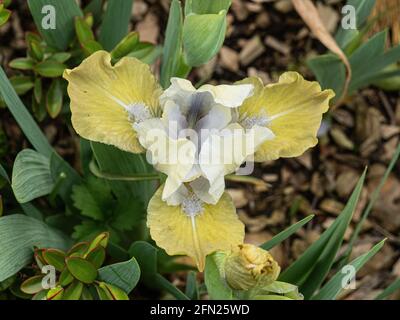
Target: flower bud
(250,266)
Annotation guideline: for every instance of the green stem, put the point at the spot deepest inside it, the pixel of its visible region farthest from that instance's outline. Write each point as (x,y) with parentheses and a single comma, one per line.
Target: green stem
(169,287)
(109,176)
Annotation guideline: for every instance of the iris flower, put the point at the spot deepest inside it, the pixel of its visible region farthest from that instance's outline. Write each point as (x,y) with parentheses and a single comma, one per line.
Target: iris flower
(194,136)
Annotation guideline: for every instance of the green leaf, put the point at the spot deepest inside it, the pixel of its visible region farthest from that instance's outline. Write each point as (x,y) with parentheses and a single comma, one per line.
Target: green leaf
(113,160)
(61,56)
(203,36)
(123,219)
(113,292)
(23,117)
(38,90)
(371,203)
(146,52)
(19,234)
(146,256)
(86,202)
(97,256)
(324,67)
(91,47)
(83,30)
(217,287)
(389,290)
(22,84)
(363,10)
(172,45)
(32,285)
(4,16)
(65,277)
(22,63)
(318,259)
(286,233)
(54,257)
(31,176)
(335,285)
(81,269)
(101,240)
(50,69)
(206,6)
(55,293)
(54,99)
(126,46)
(65,11)
(115,22)
(124,275)
(74,291)
(192,290)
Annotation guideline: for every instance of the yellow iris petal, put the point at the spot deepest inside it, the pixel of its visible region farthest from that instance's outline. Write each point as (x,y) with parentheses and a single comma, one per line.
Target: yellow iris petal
(292,109)
(101,94)
(217,228)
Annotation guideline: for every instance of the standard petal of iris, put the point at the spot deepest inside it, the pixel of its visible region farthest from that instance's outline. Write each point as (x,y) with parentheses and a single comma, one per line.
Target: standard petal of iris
(217,228)
(106,100)
(292,109)
(230,96)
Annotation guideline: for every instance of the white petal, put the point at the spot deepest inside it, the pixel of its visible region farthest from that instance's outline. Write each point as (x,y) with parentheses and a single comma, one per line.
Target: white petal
(231,96)
(178,196)
(206,192)
(180,91)
(148,130)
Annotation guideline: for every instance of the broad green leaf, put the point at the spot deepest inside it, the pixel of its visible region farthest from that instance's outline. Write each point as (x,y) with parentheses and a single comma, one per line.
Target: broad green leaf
(335,285)
(55,293)
(217,288)
(124,275)
(83,30)
(310,270)
(173,44)
(32,285)
(113,160)
(286,233)
(203,36)
(54,257)
(54,98)
(22,84)
(19,234)
(389,290)
(113,292)
(206,6)
(4,16)
(101,240)
(97,256)
(115,22)
(81,269)
(65,277)
(31,177)
(125,46)
(324,66)
(146,52)
(73,291)
(22,63)
(61,56)
(146,256)
(50,69)
(65,11)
